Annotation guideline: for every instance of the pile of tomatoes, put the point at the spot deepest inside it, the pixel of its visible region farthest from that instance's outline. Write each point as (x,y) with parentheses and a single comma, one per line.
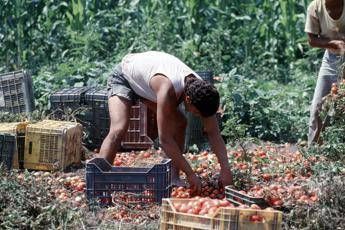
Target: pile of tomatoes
(138,159)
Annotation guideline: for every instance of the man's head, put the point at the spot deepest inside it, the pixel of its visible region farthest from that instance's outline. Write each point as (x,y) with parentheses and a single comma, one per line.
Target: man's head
(201,97)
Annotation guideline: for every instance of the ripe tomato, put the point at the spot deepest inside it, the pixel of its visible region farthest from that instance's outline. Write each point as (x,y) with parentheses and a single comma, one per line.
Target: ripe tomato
(256,218)
(117,162)
(146,155)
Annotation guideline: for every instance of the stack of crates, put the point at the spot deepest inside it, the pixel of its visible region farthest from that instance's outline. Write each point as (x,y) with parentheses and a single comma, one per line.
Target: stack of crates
(16,92)
(17,129)
(52,145)
(224,218)
(142,129)
(194,132)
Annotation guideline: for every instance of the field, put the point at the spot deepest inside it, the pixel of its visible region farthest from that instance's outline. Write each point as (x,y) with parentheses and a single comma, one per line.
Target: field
(264,70)
(300,185)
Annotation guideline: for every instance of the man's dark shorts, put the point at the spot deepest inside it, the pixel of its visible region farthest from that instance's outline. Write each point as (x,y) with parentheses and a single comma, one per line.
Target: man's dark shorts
(119,86)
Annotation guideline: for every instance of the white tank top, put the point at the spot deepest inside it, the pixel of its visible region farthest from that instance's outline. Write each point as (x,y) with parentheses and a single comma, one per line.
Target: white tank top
(139,68)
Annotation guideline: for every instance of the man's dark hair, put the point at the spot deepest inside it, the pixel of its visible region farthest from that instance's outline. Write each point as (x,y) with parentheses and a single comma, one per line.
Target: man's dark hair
(203,95)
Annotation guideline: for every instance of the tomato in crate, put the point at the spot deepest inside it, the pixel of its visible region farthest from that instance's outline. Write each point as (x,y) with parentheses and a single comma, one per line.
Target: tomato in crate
(181,214)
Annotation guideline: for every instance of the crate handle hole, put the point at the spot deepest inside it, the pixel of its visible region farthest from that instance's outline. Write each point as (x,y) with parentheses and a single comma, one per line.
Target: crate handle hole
(30,147)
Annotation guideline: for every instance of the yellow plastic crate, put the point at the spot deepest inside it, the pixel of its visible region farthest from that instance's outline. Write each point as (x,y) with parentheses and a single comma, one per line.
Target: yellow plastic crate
(17,128)
(52,145)
(225,218)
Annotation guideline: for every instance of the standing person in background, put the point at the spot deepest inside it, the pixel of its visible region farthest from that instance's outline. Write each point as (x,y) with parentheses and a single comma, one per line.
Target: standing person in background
(325,27)
(163,82)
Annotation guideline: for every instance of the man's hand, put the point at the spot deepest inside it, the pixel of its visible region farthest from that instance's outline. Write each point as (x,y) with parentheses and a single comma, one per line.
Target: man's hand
(226,176)
(195,184)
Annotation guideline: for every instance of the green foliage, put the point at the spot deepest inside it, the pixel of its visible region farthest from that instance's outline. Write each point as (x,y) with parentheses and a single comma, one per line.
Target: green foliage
(67,43)
(265,109)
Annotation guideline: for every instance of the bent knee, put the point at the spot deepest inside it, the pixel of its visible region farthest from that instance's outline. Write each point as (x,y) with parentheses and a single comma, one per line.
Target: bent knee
(117,133)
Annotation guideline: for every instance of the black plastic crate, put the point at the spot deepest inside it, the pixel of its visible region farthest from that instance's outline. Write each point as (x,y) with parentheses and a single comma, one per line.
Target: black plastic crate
(18,130)
(70,102)
(142,129)
(7,149)
(96,99)
(16,92)
(194,132)
(150,184)
(238,198)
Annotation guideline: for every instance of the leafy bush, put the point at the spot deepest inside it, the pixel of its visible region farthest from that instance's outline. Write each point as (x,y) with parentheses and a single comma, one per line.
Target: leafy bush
(268,110)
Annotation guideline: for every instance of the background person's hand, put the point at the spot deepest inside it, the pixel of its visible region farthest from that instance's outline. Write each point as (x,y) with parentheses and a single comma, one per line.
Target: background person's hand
(195,184)
(337,46)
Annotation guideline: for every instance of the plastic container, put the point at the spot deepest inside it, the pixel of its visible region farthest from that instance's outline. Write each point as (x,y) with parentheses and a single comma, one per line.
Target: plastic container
(223,219)
(195,134)
(52,145)
(18,129)
(142,128)
(238,198)
(150,184)
(16,92)
(7,149)
(70,100)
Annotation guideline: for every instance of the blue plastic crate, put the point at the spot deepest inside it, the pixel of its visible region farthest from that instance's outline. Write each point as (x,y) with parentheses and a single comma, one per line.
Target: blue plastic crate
(7,149)
(150,184)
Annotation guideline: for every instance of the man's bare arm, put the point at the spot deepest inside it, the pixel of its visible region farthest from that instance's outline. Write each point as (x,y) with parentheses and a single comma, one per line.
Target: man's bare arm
(218,147)
(166,121)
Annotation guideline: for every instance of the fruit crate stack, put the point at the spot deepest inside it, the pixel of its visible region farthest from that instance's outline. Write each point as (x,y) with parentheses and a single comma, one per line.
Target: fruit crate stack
(16,92)
(52,145)
(148,184)
(142,130)
(194,132)
(93,114)
(223,218)
(18,130)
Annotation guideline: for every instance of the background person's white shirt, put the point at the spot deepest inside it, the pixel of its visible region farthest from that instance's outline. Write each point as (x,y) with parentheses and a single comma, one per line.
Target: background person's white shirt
(319,22)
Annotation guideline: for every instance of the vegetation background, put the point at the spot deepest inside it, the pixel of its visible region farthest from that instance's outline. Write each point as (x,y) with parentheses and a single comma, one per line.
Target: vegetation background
(257,47)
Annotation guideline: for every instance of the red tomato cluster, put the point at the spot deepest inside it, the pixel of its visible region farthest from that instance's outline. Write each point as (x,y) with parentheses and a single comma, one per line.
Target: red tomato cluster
(201,206)
(208,190)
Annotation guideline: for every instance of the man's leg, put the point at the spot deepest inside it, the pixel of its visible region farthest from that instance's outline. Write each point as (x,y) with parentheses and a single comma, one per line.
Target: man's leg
(119,110)
(327,76)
